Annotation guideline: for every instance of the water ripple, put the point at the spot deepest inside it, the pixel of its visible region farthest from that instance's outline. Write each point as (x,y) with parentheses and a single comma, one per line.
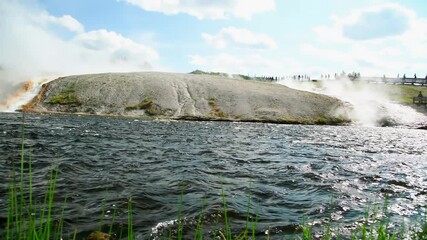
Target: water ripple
(289,171)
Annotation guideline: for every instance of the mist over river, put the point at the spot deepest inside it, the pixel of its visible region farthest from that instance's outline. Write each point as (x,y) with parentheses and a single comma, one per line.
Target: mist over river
(291,173)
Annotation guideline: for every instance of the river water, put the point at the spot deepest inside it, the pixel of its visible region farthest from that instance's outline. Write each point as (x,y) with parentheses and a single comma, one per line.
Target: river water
(291,173)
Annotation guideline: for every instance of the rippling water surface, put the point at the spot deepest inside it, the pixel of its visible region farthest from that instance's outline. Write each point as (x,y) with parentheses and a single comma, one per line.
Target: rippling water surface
(290,172)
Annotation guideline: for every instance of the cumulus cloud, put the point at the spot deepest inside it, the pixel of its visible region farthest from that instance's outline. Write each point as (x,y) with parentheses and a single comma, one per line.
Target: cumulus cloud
(118,48)
(239,37)
(372,24)
(382,39)
(378,23)
(207,9)
(31,47)
(66,21)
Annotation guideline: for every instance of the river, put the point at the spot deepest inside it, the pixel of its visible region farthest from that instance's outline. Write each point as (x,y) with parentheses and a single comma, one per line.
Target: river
(291,173)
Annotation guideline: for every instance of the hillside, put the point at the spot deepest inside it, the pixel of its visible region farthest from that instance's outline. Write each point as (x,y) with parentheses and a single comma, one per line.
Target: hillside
(186,96)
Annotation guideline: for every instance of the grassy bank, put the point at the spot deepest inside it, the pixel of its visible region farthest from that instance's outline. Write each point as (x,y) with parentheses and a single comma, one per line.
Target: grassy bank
(403,93)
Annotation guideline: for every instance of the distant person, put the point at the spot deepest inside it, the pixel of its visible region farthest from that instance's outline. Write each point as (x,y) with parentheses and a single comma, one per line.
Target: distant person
(420,94)
(415,75)
(404,76)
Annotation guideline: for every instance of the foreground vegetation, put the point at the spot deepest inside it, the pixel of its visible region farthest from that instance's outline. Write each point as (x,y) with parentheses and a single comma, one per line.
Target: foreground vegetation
(29,219)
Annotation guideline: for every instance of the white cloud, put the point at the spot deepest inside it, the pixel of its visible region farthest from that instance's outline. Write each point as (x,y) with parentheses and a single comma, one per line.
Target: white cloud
(66,21)
(207,9)
(119,48)
(377,22)
(370,24)
(39,17)
(31,47)
(239,37)
(383,39)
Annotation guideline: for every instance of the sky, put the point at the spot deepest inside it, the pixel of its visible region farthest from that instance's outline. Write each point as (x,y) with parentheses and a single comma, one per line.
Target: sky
(255,37)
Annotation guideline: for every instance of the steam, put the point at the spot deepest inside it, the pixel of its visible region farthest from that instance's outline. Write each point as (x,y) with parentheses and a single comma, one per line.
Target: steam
(23,94)
(371,102)
(35,44)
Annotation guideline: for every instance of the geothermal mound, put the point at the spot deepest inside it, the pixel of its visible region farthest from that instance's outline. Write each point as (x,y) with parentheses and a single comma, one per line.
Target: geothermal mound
(186,96)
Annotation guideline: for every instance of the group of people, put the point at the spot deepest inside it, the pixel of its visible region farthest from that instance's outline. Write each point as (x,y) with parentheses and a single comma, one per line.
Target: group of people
(404,76)
(301,77)
(351,76)
(269,78)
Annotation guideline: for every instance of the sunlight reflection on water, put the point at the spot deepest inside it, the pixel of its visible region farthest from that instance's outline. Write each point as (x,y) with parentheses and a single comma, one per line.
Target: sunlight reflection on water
(290,171)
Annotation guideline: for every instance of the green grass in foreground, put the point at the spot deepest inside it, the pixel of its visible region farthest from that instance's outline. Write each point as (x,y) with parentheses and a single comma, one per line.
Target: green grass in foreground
(28,220)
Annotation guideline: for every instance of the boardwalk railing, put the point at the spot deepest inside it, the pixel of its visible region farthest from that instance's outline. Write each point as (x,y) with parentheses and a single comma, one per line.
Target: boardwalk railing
(402,81)
(388,80)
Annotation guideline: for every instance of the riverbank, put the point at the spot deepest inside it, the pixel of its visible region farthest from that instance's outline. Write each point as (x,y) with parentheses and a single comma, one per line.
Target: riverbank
(186,96)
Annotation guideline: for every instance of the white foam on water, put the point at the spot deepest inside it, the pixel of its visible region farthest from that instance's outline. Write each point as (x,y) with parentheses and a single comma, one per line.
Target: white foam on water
(161,226)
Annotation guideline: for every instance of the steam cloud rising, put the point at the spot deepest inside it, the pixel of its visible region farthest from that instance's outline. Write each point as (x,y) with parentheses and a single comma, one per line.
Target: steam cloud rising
(370,102)
(33,46)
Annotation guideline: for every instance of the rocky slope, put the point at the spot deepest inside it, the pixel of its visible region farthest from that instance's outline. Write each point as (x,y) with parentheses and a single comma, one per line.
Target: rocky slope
(185,96)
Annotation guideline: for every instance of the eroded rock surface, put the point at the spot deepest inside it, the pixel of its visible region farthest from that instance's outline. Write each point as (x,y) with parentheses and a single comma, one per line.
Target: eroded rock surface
(186,96)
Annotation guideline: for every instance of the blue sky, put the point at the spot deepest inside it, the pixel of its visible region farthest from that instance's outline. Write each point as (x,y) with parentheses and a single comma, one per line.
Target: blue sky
(255,37)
